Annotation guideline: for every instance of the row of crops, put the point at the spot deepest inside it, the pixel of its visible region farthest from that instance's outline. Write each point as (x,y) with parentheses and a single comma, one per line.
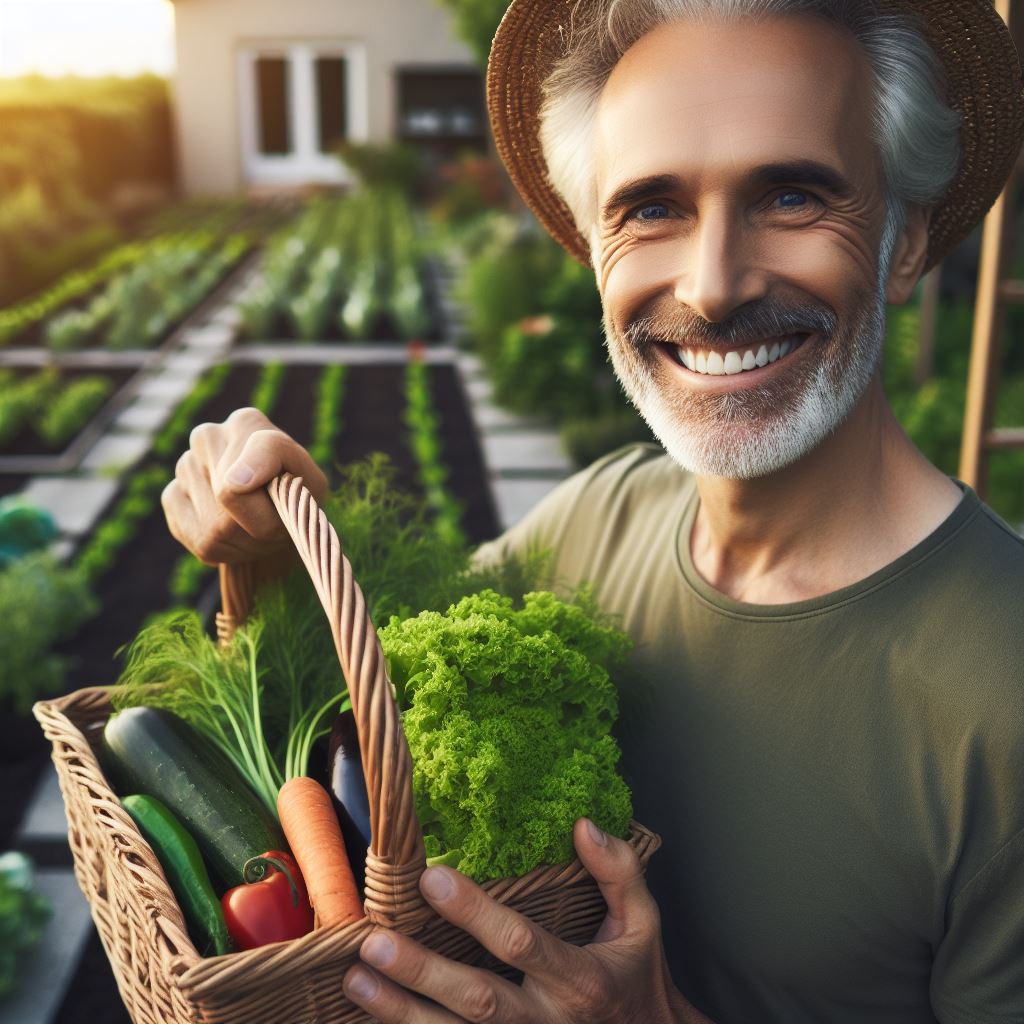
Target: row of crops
(348,269)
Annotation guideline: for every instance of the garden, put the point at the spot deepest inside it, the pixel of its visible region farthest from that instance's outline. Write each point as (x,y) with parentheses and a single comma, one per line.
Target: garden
(382,329)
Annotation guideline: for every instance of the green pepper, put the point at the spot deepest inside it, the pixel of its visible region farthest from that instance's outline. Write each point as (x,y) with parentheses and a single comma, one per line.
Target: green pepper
(183,865)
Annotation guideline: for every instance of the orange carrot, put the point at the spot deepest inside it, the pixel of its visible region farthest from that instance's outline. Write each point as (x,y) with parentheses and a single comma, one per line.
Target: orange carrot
(311,828)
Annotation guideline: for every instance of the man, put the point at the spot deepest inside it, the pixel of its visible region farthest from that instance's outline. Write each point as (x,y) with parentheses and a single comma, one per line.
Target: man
(827,721)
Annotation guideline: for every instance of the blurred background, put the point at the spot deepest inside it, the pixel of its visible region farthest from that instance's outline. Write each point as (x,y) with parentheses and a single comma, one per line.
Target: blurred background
(207,204)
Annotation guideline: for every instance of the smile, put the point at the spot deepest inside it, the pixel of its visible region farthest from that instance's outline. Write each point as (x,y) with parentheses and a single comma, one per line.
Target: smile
(715,363)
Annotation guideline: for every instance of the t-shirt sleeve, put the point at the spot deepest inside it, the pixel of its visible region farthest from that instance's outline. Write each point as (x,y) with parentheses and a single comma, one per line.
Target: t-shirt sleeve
(547,525)
(978,971)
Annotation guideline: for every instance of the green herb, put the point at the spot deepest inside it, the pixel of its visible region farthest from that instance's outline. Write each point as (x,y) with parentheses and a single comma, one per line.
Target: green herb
(188,577)
(268,387)
(508,721)
(264,700)
(23,912)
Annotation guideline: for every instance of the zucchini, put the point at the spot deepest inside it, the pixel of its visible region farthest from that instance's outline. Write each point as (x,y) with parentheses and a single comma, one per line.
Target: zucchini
(151,751)
(186,873)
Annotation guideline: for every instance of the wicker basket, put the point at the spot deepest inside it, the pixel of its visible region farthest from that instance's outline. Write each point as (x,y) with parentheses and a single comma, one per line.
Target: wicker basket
(160,975)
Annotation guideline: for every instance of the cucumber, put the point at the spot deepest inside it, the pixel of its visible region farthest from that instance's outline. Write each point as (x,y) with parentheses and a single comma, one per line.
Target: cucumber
(151,751)
(186,873)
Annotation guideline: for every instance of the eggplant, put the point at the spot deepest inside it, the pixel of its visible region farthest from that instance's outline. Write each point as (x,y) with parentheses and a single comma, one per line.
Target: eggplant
(348,792)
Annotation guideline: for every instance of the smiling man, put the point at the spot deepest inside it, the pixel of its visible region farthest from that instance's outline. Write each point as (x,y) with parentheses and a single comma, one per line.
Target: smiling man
(826,722)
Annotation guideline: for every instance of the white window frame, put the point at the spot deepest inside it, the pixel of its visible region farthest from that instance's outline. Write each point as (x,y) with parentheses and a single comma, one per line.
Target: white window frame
(305,164)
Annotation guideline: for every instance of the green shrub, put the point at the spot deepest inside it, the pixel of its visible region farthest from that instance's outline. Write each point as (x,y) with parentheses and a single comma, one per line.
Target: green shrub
(41,603)
(72,408)
(23,912)
(586,439)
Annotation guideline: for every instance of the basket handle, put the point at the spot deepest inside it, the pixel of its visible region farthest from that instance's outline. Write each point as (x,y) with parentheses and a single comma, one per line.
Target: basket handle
(396,857)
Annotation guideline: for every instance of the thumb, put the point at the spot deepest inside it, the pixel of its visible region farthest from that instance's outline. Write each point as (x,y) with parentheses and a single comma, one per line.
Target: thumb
(619,874)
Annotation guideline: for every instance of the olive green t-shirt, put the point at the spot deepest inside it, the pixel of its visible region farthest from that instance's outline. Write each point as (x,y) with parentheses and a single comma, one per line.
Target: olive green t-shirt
(839,783)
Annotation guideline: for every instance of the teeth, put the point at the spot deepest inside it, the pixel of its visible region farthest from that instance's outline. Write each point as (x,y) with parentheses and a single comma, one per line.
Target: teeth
(717,365)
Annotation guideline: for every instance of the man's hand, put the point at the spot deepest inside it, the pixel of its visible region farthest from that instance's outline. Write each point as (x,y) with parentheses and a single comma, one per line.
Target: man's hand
(620,978)
(216,505)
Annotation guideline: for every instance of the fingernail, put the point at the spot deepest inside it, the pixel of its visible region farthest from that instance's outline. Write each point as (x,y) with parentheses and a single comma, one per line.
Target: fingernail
(437,885)
(240,474)
(362,984)
(596,834)
(378,950)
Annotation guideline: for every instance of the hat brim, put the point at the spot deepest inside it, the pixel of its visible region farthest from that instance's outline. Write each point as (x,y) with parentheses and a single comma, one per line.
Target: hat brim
(969,37)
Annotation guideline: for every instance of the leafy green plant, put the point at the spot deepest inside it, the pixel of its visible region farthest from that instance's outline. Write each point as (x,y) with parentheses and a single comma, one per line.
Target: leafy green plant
(509,712)
(586,439)
(330,390)
(268,387)
(187,578)
(72,408)
(425,443)
(21,400)
(388,165)
(41,603)
(23,912)
(141,497)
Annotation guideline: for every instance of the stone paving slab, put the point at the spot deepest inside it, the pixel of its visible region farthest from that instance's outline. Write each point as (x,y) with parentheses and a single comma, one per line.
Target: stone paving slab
(493,419)
(115,452)
(514,498)
(46,817)
(216,336)
(478,389)
(145,415)
(534,451)
(47,971)
(187,363)
(166,387)
(74,502)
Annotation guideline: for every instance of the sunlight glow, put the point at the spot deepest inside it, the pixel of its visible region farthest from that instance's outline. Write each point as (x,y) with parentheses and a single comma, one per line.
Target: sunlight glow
(86,37)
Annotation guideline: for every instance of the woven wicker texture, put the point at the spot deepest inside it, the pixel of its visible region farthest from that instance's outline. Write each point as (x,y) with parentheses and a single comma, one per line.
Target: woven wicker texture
(974,45)
(159,973)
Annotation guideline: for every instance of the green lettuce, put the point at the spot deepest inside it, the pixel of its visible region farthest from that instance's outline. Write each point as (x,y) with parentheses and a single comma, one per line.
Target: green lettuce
(508,716)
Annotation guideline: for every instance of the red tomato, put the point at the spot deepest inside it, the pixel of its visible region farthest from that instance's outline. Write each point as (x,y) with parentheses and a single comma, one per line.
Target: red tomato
(273,904)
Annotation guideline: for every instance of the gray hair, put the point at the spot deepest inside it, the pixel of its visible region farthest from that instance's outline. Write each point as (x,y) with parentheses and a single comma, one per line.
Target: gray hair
(917,133)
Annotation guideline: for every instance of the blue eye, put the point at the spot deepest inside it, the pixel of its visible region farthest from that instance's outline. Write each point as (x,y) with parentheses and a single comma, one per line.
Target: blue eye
(653,211)
(793,199)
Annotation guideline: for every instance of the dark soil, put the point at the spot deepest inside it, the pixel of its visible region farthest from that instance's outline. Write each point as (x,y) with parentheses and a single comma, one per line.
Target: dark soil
(461,445)
(28,442)
(11,483)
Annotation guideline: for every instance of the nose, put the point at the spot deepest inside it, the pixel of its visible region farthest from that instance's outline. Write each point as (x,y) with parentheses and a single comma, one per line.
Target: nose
(717,272)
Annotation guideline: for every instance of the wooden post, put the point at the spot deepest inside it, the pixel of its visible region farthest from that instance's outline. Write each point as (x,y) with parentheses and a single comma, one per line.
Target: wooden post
(987,328)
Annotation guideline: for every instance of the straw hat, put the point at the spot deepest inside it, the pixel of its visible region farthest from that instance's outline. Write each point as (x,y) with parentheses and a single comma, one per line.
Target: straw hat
(969,37)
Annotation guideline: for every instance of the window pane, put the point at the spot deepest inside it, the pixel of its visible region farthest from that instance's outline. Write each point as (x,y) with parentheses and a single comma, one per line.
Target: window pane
(332,101)
(272,98)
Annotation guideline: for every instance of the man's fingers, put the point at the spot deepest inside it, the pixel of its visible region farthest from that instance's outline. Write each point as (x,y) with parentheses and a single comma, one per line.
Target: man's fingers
(617,870)
(469,993)
(390,1004)
(190,529)
(514,939)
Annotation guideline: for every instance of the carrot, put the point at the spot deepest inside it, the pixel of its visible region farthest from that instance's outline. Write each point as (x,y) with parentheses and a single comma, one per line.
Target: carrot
(311,828)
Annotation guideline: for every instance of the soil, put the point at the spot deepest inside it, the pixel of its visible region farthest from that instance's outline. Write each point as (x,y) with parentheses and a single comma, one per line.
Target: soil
(12,483)
(28,442)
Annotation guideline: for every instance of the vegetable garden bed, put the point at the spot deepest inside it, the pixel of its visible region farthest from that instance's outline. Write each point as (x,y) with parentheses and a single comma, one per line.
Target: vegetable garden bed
(43,411)
(136,559)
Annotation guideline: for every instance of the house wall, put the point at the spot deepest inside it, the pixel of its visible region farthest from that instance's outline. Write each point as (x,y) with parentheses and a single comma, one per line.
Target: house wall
(210,33)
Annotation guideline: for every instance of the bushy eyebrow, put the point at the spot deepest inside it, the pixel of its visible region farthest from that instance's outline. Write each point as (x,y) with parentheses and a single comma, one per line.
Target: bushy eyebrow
(794,172)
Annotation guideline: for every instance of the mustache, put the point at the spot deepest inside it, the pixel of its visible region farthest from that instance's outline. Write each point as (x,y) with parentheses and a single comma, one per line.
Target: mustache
(756,320)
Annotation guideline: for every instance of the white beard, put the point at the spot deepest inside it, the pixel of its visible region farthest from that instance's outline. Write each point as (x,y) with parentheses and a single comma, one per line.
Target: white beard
(761,429)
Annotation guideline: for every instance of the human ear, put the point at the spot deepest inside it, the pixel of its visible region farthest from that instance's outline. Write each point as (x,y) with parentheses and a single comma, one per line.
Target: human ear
(909,255)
